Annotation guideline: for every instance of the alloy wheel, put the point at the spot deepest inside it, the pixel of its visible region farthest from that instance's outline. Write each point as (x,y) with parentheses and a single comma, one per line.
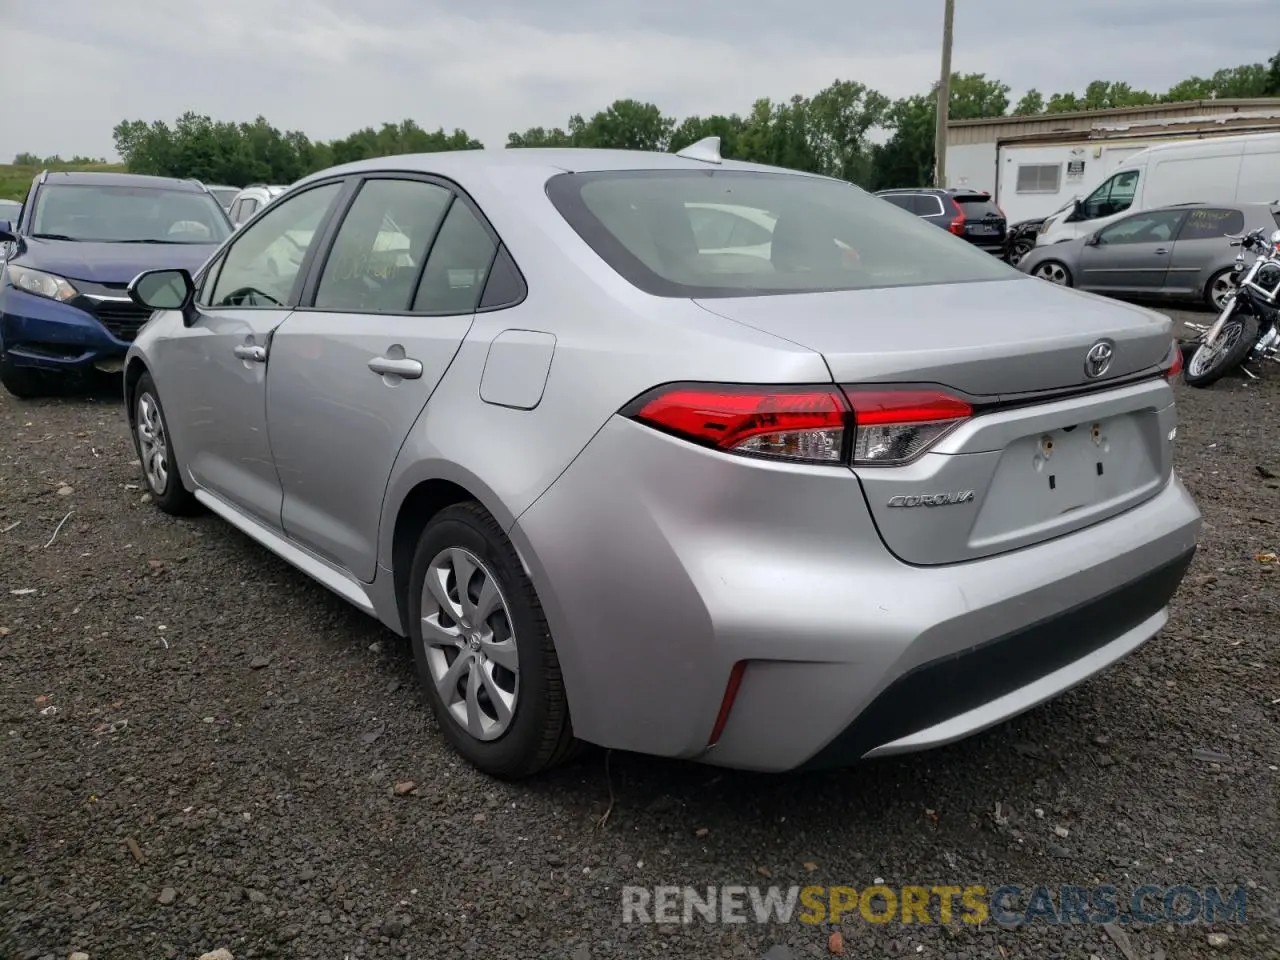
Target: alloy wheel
(1221,290)
(470,643)
(153,445)
(1053,272)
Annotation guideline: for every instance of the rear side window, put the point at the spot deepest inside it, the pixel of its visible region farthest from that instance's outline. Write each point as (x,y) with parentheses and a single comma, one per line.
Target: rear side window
(978,208)
(824,235)
(927,205)
(1211,223)
(458,264)
(901,200)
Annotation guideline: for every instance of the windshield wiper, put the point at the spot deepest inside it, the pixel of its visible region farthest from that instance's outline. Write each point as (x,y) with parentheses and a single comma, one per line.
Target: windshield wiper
(53,236)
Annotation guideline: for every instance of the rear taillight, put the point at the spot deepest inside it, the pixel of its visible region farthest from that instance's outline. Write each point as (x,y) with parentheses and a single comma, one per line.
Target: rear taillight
(956,226)
(1172,364)
(822,425)
(895,426)
(789,423)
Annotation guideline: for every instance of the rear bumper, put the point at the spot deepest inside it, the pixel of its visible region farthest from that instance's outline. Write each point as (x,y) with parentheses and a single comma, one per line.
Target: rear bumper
(661,565)
(954,696)
(38,332)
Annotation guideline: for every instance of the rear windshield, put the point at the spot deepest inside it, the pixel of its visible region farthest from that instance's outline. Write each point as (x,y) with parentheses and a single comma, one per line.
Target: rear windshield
(732,233)
(978,208)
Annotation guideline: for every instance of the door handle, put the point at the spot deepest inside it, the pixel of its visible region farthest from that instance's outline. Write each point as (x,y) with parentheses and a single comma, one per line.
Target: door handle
(1160,251)
(247,351)
(402,367)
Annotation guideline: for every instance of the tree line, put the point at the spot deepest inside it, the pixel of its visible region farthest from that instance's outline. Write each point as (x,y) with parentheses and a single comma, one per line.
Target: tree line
(828,132)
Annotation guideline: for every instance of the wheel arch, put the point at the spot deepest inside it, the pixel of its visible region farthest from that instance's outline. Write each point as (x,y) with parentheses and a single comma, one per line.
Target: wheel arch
(134,368)
(412,503)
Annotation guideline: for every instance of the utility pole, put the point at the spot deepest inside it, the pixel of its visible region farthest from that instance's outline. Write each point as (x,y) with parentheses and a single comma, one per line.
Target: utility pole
(944,99)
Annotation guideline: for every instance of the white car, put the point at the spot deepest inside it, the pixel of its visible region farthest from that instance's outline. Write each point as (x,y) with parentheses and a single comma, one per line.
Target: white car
(250,200)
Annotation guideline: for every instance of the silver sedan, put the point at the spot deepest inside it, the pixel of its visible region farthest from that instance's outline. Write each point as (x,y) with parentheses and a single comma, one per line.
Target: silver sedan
(1175,253)
(770,498)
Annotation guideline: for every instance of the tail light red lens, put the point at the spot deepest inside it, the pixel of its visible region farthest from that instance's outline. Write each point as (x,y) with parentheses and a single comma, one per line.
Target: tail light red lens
(821,425)
(956,226)
(895,426)
(789,423)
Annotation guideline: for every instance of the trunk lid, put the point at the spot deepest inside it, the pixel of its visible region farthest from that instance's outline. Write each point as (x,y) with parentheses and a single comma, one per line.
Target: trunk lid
(1017,474)
(989,338)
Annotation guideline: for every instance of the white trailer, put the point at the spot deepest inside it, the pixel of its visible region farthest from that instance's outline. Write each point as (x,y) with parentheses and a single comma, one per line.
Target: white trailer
(1034,166)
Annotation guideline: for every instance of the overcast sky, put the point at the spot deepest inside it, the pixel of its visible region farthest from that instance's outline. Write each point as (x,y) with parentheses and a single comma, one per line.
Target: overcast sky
(74,68)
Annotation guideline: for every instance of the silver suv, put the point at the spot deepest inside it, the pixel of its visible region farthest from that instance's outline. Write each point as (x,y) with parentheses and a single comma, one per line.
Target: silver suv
(250,200)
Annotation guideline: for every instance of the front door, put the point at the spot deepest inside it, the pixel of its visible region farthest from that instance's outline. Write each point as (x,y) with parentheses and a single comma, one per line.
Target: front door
(215,395)
(1131,255)
(352,369)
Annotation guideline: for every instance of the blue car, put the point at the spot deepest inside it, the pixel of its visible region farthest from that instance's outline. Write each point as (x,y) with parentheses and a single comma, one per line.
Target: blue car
(79,240)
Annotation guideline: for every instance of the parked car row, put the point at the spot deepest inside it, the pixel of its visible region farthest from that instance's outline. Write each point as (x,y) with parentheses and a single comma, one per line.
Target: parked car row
(573,422)
(1179,252)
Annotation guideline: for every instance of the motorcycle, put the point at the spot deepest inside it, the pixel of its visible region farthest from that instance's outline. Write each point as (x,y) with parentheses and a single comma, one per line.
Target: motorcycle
(1248,328)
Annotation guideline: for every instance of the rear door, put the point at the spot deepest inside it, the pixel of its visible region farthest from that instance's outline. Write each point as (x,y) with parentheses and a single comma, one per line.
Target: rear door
(1131,255)
(352,369)
(1201,243)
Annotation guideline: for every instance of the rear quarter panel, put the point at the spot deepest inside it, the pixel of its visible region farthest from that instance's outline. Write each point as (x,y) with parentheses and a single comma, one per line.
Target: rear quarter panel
(611,343)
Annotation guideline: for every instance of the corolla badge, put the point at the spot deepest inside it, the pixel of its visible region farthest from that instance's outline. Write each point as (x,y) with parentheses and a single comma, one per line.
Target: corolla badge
(932,499)
(1098,359)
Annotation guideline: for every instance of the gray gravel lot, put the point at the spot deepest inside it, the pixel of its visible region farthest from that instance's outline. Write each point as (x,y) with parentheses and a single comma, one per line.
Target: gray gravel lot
(199,748)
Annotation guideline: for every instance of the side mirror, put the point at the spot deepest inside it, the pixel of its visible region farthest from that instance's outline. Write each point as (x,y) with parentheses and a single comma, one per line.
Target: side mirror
(164,290)
(1095,240)
(7,234)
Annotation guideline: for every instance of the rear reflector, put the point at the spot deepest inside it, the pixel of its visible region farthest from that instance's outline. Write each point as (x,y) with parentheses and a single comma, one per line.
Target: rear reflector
(819,424)
(726,704)
(804,424)
(1173,363)
(896,426)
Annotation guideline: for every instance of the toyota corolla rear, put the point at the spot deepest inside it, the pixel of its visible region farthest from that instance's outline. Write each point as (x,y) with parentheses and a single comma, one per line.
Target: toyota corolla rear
(971,510)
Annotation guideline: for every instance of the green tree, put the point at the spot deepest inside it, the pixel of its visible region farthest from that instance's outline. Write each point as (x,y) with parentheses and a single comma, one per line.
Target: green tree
(728,129)
(1032,102)
(837,122)
(972,96)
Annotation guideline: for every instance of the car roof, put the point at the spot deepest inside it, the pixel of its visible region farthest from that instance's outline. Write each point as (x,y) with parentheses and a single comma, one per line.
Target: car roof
(86,177)
(462,163)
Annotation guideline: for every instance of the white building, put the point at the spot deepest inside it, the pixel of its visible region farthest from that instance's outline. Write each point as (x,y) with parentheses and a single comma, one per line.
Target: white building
(1035,165)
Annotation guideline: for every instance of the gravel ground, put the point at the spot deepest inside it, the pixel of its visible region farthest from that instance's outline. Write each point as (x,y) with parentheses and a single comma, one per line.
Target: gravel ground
(199,748)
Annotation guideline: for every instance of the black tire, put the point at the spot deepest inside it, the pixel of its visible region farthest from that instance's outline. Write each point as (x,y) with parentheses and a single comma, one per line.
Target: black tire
(1229,360)
(1207,295)
(1019,249)
(540,734)
(25,383)
(174,499)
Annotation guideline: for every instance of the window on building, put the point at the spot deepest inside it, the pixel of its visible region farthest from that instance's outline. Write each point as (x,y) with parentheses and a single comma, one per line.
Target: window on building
(1039,177)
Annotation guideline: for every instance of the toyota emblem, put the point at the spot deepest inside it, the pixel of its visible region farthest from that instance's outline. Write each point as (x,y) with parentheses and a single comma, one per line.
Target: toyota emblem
(1098,359)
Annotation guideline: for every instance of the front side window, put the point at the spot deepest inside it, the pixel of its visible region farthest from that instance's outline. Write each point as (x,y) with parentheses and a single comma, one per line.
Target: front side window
(262,264)
(1112,196)
(826,235)
(374,264)
(127,214)
(1158,226)
(1211,223)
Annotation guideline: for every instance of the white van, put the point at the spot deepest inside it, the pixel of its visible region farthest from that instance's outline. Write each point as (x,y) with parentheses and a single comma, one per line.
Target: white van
(1243,169)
